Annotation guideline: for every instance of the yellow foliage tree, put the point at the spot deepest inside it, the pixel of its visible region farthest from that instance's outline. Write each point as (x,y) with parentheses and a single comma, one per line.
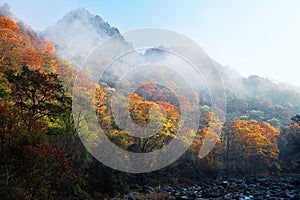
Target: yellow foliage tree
(251,146)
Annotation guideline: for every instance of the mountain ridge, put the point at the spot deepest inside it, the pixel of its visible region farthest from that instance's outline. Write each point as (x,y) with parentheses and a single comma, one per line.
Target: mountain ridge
(81,13)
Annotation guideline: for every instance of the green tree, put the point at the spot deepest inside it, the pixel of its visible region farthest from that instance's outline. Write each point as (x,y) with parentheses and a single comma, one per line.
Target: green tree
(296,119)
(36,95)
(290,148)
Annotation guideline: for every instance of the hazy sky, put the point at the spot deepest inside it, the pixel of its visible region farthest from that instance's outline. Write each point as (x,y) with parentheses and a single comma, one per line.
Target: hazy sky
(253,36)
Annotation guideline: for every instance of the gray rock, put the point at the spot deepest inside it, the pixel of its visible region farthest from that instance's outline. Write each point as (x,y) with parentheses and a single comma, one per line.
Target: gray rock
(129,197)
(228,196)
(148,190)
(168,189)
(183,197)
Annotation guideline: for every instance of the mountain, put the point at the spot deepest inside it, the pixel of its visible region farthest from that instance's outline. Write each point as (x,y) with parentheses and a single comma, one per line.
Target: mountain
(78,33)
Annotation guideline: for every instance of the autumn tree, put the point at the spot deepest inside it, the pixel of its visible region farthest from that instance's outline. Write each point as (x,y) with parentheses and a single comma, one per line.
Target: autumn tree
(209,132)
(249,142)
(9,41)
(39,150)
(162,115)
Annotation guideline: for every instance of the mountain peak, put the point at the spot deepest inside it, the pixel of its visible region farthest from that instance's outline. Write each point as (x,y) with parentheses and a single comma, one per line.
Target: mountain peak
(80,10)
(78,14)
(91,30)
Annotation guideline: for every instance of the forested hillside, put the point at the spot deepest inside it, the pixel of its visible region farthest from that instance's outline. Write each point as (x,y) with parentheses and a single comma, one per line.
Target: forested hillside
(42,157)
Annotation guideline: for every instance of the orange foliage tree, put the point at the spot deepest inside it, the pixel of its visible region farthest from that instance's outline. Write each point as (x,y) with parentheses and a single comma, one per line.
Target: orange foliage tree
(251,146)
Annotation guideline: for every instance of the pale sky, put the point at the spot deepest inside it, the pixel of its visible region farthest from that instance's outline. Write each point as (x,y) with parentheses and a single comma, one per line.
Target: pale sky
(252,36)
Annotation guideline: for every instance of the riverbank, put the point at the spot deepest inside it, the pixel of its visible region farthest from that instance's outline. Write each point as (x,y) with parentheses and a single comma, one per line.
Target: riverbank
(250,188)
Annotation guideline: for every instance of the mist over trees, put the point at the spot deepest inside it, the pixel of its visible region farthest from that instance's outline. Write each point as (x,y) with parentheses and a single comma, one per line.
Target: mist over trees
(42,157)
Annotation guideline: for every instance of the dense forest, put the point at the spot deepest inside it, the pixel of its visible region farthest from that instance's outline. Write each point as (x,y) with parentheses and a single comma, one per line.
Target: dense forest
(42,156)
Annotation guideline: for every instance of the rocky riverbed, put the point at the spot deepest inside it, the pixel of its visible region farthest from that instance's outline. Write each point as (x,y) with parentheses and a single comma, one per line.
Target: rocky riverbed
(250,188)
